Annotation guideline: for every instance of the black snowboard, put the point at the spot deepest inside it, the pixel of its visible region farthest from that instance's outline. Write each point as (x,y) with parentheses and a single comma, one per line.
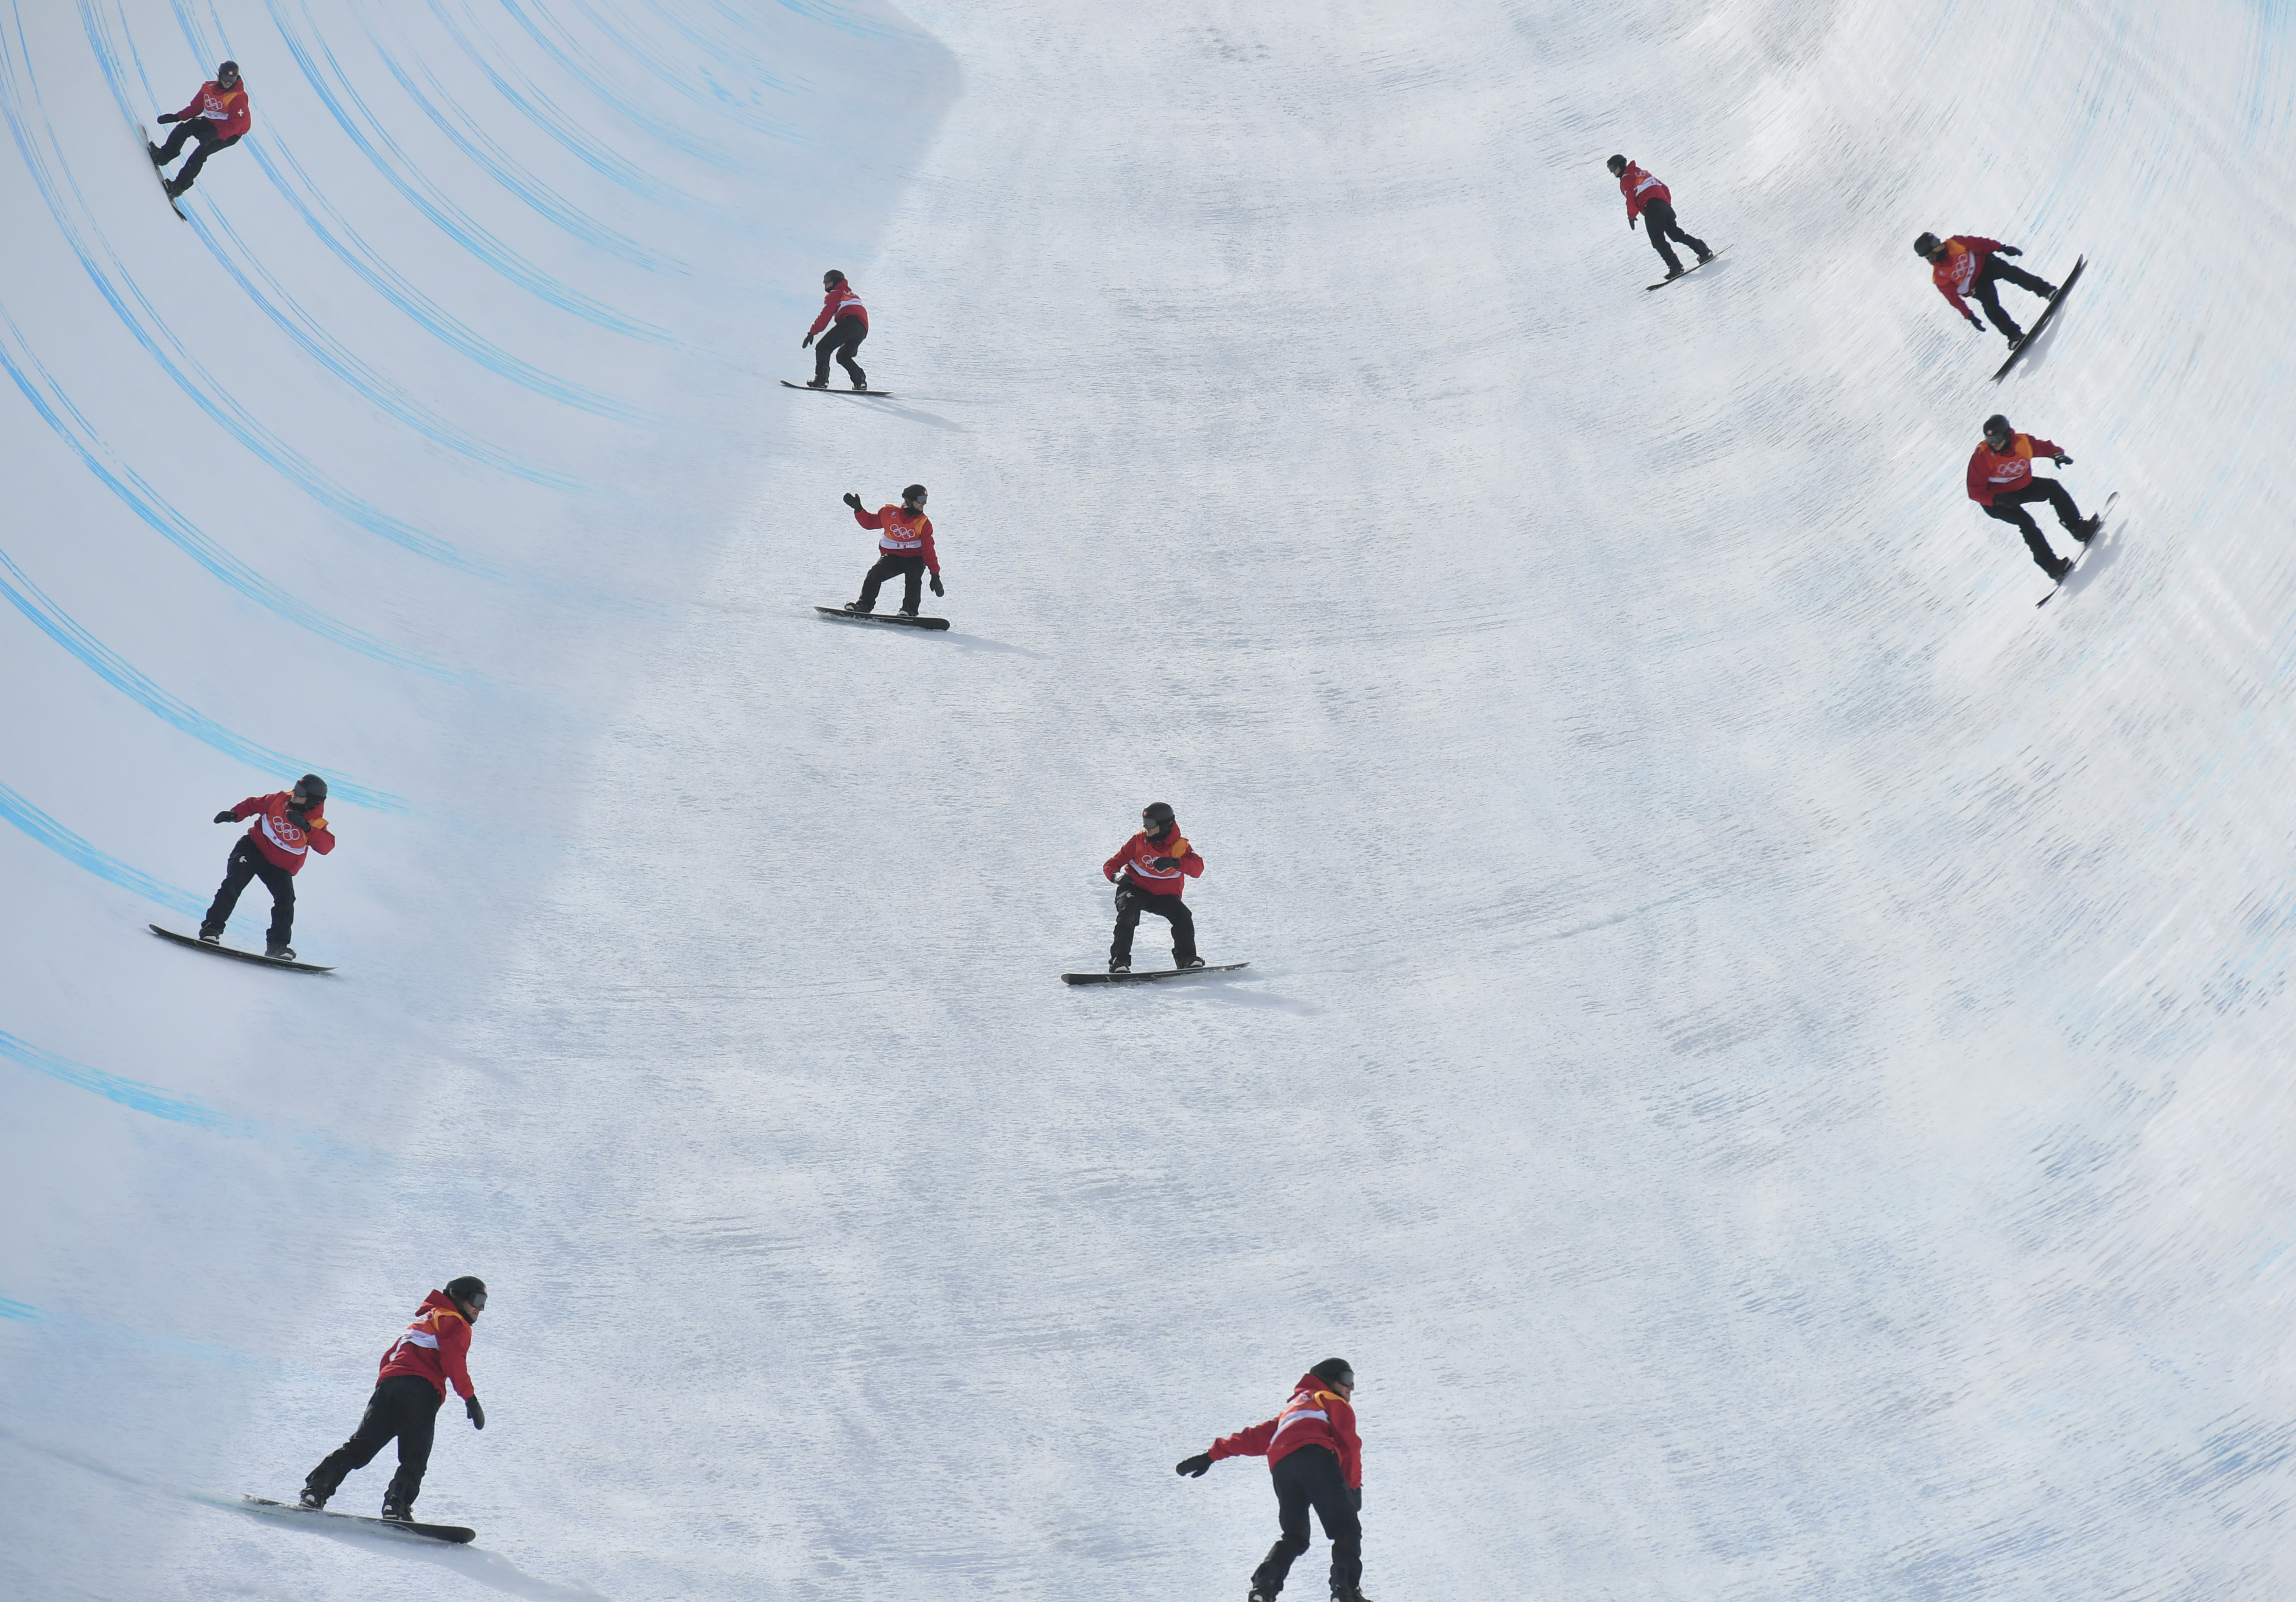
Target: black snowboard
(454,1534)
(1154,973)
(1688,271)
(2081,555)
(894,618)
(2041,322)
(825,389)
(148,148)
(225,951)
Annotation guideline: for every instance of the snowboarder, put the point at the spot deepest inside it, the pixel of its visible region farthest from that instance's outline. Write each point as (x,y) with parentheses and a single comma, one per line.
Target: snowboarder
(217,118)
(1317,1461)
(1153,862)
(2001,481)
(906,542)
(409,1388)
(1648,198)
(288,825)
(1968,265)
(838,305)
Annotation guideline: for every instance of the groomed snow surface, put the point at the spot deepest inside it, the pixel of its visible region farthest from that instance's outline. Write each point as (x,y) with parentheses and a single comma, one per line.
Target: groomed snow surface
(1769,1053)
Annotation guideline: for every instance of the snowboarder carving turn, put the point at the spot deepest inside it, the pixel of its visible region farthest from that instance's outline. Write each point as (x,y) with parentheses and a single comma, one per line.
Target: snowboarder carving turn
(409,1388)
(1315,1460)
(1968,263)
(2001,481)
(289,825)
(217,118)
(904,541)
(1653,201)
(1156,864)
(842,306)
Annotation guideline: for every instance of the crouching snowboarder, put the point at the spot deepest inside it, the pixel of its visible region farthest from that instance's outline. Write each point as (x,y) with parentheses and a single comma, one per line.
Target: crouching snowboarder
(2001,481)
(218,116)
(1968,265)
(288,826)
(408,1390)
(904,545)
(1653,202)
(841,307)
(1156,865)
(1317,1461)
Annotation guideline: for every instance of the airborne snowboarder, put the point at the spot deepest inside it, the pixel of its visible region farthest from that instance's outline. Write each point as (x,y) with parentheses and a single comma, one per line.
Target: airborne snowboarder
(1317,1461)
(2001,481)
(409,1388)
(840,306)
(289,825)
(216,117)
(1654,202)
(904,541)
(1154,862)
(1968,263)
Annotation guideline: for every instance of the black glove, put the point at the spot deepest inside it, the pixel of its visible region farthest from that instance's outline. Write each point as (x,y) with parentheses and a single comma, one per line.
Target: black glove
(854,501)
(167,116)
(806,343)
(1973,321)
(2061,460)
(2008,250)
(1195,1467)
(478,1414)
(1165,865)
(227,817)
(295,817)
(936,586)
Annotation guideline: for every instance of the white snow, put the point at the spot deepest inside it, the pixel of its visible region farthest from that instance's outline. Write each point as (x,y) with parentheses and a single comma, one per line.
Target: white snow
(1769,1053)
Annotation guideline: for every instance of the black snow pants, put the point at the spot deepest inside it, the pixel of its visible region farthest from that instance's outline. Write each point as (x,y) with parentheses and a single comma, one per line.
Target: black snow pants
(404,1406)
(1131,901)
(2009,504)
(842,340)
(1997,271)
(1310,1477)
(248,862)
(911,571)
(1658,221)
(202,130)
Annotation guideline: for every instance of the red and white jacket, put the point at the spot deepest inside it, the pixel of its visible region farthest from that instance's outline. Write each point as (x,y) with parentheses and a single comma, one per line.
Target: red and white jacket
(901,533)
(1641,188)
(1992,471)
(275,832)
(436,1347)
(1139,858)
(840,302)
(227,109)
(1966,257)
(1316,1416)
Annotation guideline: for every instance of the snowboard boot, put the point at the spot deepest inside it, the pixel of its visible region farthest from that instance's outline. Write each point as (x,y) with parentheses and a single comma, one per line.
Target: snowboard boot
(1191,962)
(1257,1594)
(2087,528)
(208,939)
(907,611)
(175,189)
(1672,273)
(856,608)
(284,953)
(1704,257)
(157,159)
(313,1498)
(816,383)
(396,1511)
(1353,1593)
(2048,292)
(860,378)
(2058,570)
(1115,967)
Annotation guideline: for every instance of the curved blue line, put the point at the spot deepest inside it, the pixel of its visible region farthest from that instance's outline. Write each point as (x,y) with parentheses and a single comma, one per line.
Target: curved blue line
(677,138)
(81,854)
(681,81)
(127,1092)
(60,626)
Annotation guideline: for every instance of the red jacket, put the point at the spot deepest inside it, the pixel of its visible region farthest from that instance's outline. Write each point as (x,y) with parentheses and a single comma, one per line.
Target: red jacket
(1316,1416)
(903,531)
(275,832)
(227,109)
(1140,853)
(1991,471)
(840,302)
(1965,256)
(1641,188)
(436,1347)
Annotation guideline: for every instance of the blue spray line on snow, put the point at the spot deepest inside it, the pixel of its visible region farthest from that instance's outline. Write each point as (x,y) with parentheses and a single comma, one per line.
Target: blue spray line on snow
(842,17)
(590,77)
(449,219)
(17,1310)
(127,1092)
(60,626)
(73,849)
(680,80)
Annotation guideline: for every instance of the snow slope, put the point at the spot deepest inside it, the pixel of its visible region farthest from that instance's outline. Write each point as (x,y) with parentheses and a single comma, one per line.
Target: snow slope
(1764,1050)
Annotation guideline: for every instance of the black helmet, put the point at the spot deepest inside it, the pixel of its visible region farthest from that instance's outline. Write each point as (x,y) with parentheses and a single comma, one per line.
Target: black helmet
(226,72)
(1926,246)
(312,788)
(1335,1371)
(1617,164)
(1996,426)
(466,1290)
(833,276)
(1158,814)
(913,495)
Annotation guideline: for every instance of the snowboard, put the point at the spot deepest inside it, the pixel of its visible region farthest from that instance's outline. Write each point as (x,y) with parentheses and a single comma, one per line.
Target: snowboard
(895,618)
(826,390)
(156,173)
(2081,555)
(2041,322)
(453,1534)
(1688,271)
(1154,973)
(198,944)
